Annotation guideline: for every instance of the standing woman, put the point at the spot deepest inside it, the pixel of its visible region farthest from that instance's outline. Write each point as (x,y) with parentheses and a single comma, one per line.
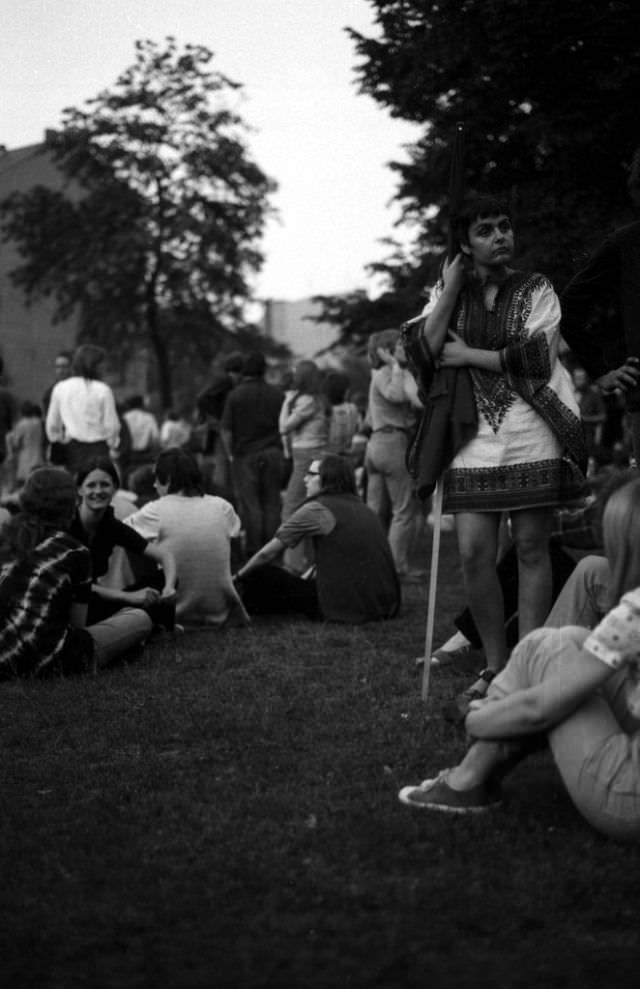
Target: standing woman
(304,427)
(45,583)
(392,410)
(503,324)
(96,526)
(82,411)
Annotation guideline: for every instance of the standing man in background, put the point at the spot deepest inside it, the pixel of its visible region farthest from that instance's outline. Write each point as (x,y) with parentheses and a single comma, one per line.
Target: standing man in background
(251,436)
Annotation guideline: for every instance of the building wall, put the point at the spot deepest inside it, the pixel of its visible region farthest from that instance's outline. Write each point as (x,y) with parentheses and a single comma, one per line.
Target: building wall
(287,322)
(29,338)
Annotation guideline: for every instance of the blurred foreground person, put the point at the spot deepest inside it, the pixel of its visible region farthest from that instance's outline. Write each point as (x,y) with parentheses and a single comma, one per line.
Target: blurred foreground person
(580,688)
(355,579)
(45,585)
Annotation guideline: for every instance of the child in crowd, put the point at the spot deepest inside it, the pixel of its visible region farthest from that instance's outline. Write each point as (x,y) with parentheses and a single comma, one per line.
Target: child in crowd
(26,443)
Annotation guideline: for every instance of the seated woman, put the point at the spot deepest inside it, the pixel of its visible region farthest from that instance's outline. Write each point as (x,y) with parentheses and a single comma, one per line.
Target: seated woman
(355,580)
(97,528)
(580,688)
(197,528)
(45,585)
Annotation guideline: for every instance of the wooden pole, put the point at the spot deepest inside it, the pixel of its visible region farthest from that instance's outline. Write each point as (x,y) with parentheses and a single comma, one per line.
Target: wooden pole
(456,185)
(436,511)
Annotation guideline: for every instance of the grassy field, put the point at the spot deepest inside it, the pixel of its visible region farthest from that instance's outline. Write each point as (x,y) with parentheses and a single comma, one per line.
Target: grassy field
(227,816)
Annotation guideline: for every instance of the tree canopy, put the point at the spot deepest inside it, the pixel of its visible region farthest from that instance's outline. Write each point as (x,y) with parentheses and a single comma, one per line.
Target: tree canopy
(156,230)
(546,93)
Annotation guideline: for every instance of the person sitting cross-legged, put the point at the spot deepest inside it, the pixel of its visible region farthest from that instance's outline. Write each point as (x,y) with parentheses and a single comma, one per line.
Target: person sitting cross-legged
(580,688)
(198,530)
(45,588)
(355,578)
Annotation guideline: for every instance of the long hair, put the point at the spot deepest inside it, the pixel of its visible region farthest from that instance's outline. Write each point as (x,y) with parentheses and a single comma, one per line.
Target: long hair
(180,471)
(621,525)
(105,464)
(306,378)
(336,475)
(47,504)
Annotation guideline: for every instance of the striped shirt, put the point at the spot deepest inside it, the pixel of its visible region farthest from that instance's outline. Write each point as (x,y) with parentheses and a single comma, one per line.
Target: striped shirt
(36,597)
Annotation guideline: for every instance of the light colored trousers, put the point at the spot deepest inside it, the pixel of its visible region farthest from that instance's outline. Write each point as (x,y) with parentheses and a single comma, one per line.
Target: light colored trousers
(584,599)
(597,748)
(114,636)
(391,490)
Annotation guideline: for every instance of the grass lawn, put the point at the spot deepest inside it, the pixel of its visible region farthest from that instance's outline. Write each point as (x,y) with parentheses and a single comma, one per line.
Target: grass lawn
(227,816)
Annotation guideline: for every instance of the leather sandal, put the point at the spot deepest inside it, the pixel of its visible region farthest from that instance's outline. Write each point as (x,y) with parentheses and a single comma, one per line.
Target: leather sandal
(456,710)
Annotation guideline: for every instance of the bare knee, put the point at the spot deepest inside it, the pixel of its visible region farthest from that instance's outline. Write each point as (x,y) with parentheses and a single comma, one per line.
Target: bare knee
(532,551)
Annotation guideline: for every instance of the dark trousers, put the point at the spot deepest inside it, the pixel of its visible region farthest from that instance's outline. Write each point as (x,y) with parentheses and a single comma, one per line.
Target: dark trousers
(272,590)
(77,453)
(162,613)
(257,479)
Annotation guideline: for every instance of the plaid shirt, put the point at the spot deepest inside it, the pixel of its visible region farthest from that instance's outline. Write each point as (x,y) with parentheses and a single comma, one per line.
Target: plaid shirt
(35,606)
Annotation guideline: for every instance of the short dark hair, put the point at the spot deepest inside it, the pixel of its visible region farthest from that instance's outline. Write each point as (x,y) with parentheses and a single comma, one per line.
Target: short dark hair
(234,362)
(335,386)
(477,208)
(87,359)
(105,464)
(337,475)
(180,471)
(134,402)
(254,364)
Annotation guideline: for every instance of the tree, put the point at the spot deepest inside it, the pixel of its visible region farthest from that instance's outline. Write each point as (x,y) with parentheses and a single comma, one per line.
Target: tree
(547,96)
(156,230)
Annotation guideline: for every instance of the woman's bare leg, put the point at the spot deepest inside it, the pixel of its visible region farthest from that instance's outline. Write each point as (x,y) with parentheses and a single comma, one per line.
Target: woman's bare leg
(478,545)
(531,529)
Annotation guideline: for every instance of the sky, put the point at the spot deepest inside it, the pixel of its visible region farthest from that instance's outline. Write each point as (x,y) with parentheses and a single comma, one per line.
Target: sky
(326,146)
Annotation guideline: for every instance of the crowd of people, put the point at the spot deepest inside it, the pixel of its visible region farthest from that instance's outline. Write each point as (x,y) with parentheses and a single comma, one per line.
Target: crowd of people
(274,499)
(163,513)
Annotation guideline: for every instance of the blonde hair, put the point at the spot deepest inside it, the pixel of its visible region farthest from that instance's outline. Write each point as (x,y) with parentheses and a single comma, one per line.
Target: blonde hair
(621,529)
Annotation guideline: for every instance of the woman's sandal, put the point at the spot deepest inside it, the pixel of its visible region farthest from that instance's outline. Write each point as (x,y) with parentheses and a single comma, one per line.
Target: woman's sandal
(456,710)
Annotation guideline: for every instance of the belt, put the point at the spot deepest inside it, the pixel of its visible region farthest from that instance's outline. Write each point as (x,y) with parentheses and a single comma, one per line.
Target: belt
(390,429)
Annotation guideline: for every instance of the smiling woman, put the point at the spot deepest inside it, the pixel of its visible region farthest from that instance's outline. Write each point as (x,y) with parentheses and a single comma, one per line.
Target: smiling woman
(96,526)
(45,584)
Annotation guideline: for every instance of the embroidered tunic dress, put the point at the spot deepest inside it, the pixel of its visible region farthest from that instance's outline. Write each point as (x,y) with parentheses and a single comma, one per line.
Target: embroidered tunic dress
(530,439)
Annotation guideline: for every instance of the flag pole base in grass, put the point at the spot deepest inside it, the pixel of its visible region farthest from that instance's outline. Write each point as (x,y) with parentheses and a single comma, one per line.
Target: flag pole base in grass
(433,584)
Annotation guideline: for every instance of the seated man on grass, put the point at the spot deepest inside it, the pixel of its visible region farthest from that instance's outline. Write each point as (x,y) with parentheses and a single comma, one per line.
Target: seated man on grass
(355,579)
